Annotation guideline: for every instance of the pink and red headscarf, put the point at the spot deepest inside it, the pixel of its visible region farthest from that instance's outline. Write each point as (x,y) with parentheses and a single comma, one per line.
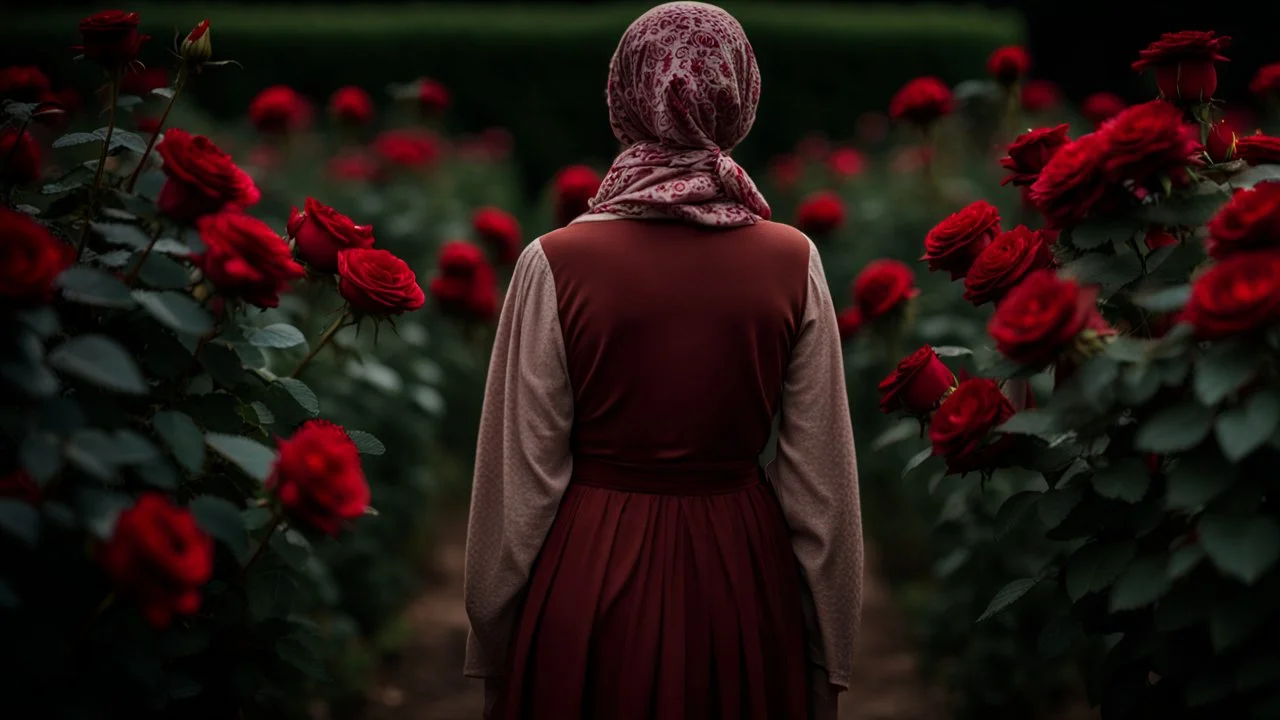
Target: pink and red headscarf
(683,91)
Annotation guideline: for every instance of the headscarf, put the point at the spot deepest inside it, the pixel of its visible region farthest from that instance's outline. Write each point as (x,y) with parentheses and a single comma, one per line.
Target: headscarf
(683,90)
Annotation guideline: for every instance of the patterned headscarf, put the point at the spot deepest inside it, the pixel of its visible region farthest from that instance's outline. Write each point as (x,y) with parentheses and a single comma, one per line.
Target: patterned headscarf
(683,91)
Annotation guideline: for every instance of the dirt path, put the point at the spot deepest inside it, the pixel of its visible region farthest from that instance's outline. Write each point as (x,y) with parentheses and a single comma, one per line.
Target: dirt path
(426,682)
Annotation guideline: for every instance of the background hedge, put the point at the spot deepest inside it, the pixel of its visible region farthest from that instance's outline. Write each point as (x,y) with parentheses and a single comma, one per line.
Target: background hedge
(540,70)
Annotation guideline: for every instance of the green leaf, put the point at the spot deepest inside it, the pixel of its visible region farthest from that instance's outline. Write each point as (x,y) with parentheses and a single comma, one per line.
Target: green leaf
(1138,384)
(1013,509)
(1245,428)
(129,141)
(183,437)
(271,590)
(903,430)
(249,455)
(1190,210)
(1096,565)
(1164,300)
(1223,368)
(75,138)
(163,92)
(256,518)
(99,360)
(1096,234)
(1254,175)
(1125,479)
(263,413)
(1006,596)
(1037,422)
(1174,428)
(1241,547)
(1056,637)
(1108,271)
(182,686)
(159,473)
(279,335)
(41,456)
(20,520)
(1096,379)
(366,443)
(299,391)
(223,364)
(99,509)
(89,286)
(1184,560)
(122,234)
(1055,505)
(1196,479)
(163,273)
(176,311)
(91,451)
(292,547)
(301,658)
(1126,348)
(951,351)
(917,460)
(222,520)
(1141,584)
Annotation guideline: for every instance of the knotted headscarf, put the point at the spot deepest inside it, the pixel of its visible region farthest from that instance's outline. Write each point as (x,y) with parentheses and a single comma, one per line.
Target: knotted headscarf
(683,90)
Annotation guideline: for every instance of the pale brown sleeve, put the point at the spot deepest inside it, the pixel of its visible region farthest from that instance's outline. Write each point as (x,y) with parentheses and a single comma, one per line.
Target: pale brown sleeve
(815,475)
(523,462)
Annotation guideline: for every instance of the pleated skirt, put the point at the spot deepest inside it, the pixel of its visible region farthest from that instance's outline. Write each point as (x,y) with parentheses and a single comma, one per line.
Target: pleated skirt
(661,595)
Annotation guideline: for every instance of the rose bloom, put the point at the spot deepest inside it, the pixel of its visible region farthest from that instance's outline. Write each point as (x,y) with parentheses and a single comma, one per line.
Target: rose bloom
(820,214)
(1072,185)
(572,190)
(244,258)
(849,322)
(921,101)
(1184,64)
(320,232)
(407,148)
(318,478)
(1259,149)
(953,243)
(1249,221)
(1238,295)
(142,82)
(30,259)
(464,285)
(917,384)
(846,163)
(1041,318)
(111,37)
(376,282)
(883,286)
(351,106)
(159,556)
(1266,81)
(202,179)
(24,84)
(1003,264)
(786,170)
(279,110)
(1040,96)
(354,166)
(1030,152)
(22,155)
(1221,143)
(1102,106)
(962,424)
(1008,64)
(500,231)
(1150,141)
(1158,237)
(433,96)
(18,485)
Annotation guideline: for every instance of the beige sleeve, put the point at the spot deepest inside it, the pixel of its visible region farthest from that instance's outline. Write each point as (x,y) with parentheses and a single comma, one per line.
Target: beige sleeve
(523,461)
(815,475)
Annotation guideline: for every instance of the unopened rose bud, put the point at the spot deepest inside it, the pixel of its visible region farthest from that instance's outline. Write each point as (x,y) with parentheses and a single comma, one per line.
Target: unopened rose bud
(198,47)
(1090,342)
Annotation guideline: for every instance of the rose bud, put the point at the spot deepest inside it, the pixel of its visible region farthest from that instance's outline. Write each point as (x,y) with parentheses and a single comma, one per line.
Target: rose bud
(197,48)
(320,232)
(1184,64)
(917,385)
(1221,144)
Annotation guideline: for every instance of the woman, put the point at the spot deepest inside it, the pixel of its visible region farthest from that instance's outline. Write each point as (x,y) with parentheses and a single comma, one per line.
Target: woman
(627,557)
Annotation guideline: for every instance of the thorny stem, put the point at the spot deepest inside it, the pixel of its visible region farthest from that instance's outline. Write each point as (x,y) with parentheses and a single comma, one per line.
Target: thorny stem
(151,142)
(102,160)
(262,546)
(324,340)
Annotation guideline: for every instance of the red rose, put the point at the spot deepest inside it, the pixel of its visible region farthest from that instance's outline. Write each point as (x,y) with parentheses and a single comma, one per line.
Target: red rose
(22,155)
(24,84)
(819,214)
(1266,81)
(111,37)
(962,424)
(245,258)
(202,179)
(279,110)
(1249,221)
(318,478)
(1041,318)
(953,243)
(1102,106)
(1150,141)
(433,96)
(18,485)
(845,163)
(1259,149)
(849,322)
(921,101)
(357,166)
(882,286)
(917,385)
(1040,96)
(1184,64)
(407,148)
(160,557)
(320,232)
(351,106)
(1072,184)
(142,82)
(1030,152)
(1240,294)
(1010,258)
(573,189)
(464,285)
(786,171)
(376,282)
(30,259)
(500,231)
(1008,64)
(1221,143)
(1158,237)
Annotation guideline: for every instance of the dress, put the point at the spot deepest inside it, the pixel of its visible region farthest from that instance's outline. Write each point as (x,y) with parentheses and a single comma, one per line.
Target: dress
(628,558)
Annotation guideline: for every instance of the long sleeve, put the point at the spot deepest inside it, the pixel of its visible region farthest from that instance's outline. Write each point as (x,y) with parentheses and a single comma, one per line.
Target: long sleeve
(815,476)
(523,460)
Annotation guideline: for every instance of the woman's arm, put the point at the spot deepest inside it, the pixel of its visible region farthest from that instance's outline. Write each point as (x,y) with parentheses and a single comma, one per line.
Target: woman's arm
(523,461)
(816,478)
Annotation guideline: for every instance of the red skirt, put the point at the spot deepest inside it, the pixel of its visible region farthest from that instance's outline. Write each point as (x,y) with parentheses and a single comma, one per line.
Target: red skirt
(661,594)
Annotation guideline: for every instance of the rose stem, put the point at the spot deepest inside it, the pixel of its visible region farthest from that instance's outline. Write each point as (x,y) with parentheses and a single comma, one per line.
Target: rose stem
(271,530)
(151,143)
(114,92)
(324,340)
(132,277)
